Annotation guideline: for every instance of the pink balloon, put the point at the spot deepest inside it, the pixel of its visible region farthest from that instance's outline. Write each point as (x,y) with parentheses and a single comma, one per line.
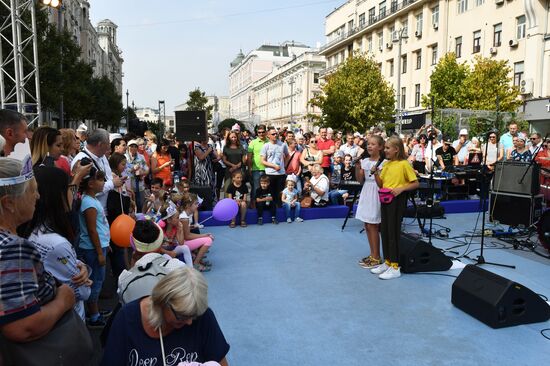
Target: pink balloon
(225,210)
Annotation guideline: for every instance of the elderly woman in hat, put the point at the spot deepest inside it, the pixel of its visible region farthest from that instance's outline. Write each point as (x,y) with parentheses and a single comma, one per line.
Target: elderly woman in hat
(520,152)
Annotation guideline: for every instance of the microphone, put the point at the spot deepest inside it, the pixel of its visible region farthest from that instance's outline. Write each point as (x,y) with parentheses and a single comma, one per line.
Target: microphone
(377,165)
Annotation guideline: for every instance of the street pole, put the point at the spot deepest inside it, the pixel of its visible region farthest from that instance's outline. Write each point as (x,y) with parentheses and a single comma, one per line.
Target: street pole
(127,112)
(61,103)
(402,36)
(291,82)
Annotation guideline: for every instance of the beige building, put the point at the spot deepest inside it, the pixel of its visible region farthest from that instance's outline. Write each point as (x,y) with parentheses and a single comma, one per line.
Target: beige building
(512,30)
(281,97)
(246,70)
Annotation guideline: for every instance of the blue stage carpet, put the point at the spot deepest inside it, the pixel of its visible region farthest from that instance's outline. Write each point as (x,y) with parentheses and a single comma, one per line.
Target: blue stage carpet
(293,294)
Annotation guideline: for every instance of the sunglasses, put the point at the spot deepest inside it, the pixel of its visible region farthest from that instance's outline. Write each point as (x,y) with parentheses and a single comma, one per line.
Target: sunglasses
(533,138)
(312,141)
(273,134)
(179,317)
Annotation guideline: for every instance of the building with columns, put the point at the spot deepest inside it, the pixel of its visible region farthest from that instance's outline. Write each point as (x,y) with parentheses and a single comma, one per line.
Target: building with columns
(281,97)
(511,30)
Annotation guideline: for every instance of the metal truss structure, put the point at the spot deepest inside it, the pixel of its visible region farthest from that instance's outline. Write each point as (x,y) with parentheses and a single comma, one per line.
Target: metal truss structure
(19,77)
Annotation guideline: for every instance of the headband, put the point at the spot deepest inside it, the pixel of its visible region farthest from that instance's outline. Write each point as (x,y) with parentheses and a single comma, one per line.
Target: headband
(25,175)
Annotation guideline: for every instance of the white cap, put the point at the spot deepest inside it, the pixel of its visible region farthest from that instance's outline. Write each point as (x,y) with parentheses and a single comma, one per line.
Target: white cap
(82,128)
(463,132)
(236,127)
(133,142)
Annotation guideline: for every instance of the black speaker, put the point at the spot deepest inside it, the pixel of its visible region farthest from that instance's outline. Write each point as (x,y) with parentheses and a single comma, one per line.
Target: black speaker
(508,175)
(415,255)
(514,209)
(495,300)
(191,126)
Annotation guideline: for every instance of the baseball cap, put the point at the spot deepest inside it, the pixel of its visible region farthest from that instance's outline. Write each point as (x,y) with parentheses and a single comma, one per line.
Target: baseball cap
(463,132)
(133,142)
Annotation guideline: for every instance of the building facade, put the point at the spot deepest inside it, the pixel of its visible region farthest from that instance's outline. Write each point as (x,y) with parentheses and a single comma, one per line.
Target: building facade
(281,97)
(511,30)
(246,70)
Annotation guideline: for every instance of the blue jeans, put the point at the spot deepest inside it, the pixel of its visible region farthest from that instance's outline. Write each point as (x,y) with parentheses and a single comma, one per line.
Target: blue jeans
(288,210)
(335,196)
(256,174)
(89,256)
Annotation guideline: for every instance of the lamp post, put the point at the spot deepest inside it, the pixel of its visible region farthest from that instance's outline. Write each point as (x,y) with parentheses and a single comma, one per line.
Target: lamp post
(291,81)
(127,111)
(162,117)
(402,34)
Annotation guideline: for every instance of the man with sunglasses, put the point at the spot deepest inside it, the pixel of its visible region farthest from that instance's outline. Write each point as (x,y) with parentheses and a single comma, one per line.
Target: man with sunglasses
(254,160)
(274,156)
(535,143)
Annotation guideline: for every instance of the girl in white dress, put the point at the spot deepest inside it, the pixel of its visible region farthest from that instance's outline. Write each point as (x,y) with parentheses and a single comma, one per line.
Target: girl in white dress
(368,209)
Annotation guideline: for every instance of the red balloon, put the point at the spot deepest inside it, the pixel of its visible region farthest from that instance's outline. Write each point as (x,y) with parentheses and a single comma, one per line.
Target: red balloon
(121,229)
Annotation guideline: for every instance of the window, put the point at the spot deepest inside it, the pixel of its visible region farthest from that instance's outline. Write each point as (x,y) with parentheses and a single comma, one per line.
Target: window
(497,35)
(518,73)
(371,15)
(435,16)
(369,43)
(316,78)
(403,97)
(462,6)
(350,26)
(361,20)
(520,21)
(419,23)
(480,2)
(417,95)
(342,56)
(382,10)
(405,27)
(458,47)
(350,50)
(390,66)
(393,35)
(477,42)
(434,54)
(381,40)
(404,64)
(393,6)
(418,59)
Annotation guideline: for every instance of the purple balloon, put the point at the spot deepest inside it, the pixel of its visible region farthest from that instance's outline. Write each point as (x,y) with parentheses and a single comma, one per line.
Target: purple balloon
(225,210)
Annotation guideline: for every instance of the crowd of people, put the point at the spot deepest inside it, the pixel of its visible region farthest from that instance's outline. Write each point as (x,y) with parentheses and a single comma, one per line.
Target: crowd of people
(57,208)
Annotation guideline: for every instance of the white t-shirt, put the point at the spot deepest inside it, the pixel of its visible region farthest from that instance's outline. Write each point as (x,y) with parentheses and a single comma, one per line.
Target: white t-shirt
(321,183)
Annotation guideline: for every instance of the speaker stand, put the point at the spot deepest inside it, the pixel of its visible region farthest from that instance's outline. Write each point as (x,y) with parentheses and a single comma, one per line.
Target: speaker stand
(482,199)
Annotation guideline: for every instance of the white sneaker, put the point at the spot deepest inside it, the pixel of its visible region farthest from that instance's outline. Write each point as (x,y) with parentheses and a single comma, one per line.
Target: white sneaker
(200,226)
(289,220)
(380,269)
(299,219)
(390,274)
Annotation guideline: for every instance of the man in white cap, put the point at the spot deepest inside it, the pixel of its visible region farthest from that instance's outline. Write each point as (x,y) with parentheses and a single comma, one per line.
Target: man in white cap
(462,145)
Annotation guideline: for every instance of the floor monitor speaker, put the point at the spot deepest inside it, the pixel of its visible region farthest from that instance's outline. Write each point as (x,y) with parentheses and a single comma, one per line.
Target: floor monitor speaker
(415,255)
(495,300)
(508,175)
(191,126)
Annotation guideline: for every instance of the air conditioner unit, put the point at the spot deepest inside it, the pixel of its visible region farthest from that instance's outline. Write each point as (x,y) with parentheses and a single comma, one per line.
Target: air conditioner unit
(499,2)
(513,43)
(436,25)
(389,45)
(418,33)
(526,87)
(493,50)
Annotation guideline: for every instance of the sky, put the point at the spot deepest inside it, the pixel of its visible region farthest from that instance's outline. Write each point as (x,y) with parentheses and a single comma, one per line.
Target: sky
(171,47)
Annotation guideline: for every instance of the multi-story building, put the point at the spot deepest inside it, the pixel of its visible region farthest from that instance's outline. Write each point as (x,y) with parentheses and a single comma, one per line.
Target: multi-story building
(220,108)
(512,30)
(281,97)
(246,70)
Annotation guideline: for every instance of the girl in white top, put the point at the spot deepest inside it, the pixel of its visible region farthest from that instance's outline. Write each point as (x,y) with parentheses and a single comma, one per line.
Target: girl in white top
(368,209)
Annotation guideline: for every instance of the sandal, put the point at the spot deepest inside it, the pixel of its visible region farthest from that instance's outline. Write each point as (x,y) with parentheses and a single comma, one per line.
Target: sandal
(232,225)
(201,268)
(243,224)
(206,263)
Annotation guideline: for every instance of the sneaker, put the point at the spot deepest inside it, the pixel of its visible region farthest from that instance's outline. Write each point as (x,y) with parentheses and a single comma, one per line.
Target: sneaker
(105,313)
(274,221)
(96,324)
(289,220)
(370,263)
(200,226)
(260,220)
(390,273)
(299,219)
(380,269)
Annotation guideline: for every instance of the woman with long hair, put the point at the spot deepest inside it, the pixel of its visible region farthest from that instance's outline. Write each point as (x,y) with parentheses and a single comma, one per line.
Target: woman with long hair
(161,163)
(233,156)
(310,156)
(71,144)
(47,147)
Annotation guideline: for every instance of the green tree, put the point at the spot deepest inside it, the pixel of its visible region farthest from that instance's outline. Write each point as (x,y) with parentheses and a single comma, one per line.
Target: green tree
(356,96)
(107,105)
(197,102)
(447,83)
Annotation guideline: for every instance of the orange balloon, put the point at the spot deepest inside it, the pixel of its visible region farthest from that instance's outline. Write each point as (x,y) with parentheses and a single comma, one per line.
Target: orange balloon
(121,229)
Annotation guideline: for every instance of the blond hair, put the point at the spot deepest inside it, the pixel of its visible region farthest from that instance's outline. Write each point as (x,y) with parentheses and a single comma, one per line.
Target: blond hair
(396,142)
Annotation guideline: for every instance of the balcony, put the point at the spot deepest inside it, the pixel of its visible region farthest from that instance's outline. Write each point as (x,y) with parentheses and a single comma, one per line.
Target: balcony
(394,8)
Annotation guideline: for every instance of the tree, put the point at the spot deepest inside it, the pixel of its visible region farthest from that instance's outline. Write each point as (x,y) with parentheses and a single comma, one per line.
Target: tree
(229,123)
(197,102)
(447,83)
(356,96)
(107,105)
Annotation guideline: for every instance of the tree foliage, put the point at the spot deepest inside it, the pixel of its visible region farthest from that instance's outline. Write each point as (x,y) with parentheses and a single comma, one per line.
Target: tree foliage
(197,102)
(356,96)
(446,83)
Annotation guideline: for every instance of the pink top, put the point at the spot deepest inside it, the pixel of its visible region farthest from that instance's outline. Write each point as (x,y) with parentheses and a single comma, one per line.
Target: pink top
(293,166)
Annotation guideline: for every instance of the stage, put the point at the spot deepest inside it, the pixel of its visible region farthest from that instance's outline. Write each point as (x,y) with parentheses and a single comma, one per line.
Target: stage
(293,294)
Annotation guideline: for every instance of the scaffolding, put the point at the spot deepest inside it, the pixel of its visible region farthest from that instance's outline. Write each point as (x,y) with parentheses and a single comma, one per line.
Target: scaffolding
(19,76)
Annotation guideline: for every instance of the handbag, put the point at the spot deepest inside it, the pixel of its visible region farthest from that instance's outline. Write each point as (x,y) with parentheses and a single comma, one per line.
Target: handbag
(67,343)
(306,202)
(385,195)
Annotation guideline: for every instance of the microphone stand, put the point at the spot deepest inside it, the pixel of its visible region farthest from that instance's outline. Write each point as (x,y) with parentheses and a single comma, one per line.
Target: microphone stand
(482,200)
(430,199)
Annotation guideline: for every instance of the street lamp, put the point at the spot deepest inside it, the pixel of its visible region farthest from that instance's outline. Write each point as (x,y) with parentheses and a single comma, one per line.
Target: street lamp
(291,81)
(161,125)
(127,112)
(402,34)
(51,3)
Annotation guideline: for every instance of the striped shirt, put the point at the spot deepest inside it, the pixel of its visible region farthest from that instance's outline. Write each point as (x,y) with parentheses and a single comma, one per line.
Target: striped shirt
(24,284)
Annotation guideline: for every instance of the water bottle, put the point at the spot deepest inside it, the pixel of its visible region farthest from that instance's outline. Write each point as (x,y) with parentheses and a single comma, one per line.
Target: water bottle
(268,202)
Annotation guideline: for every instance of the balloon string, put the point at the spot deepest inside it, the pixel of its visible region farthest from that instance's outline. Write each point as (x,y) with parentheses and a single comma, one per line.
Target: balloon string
(203,221)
